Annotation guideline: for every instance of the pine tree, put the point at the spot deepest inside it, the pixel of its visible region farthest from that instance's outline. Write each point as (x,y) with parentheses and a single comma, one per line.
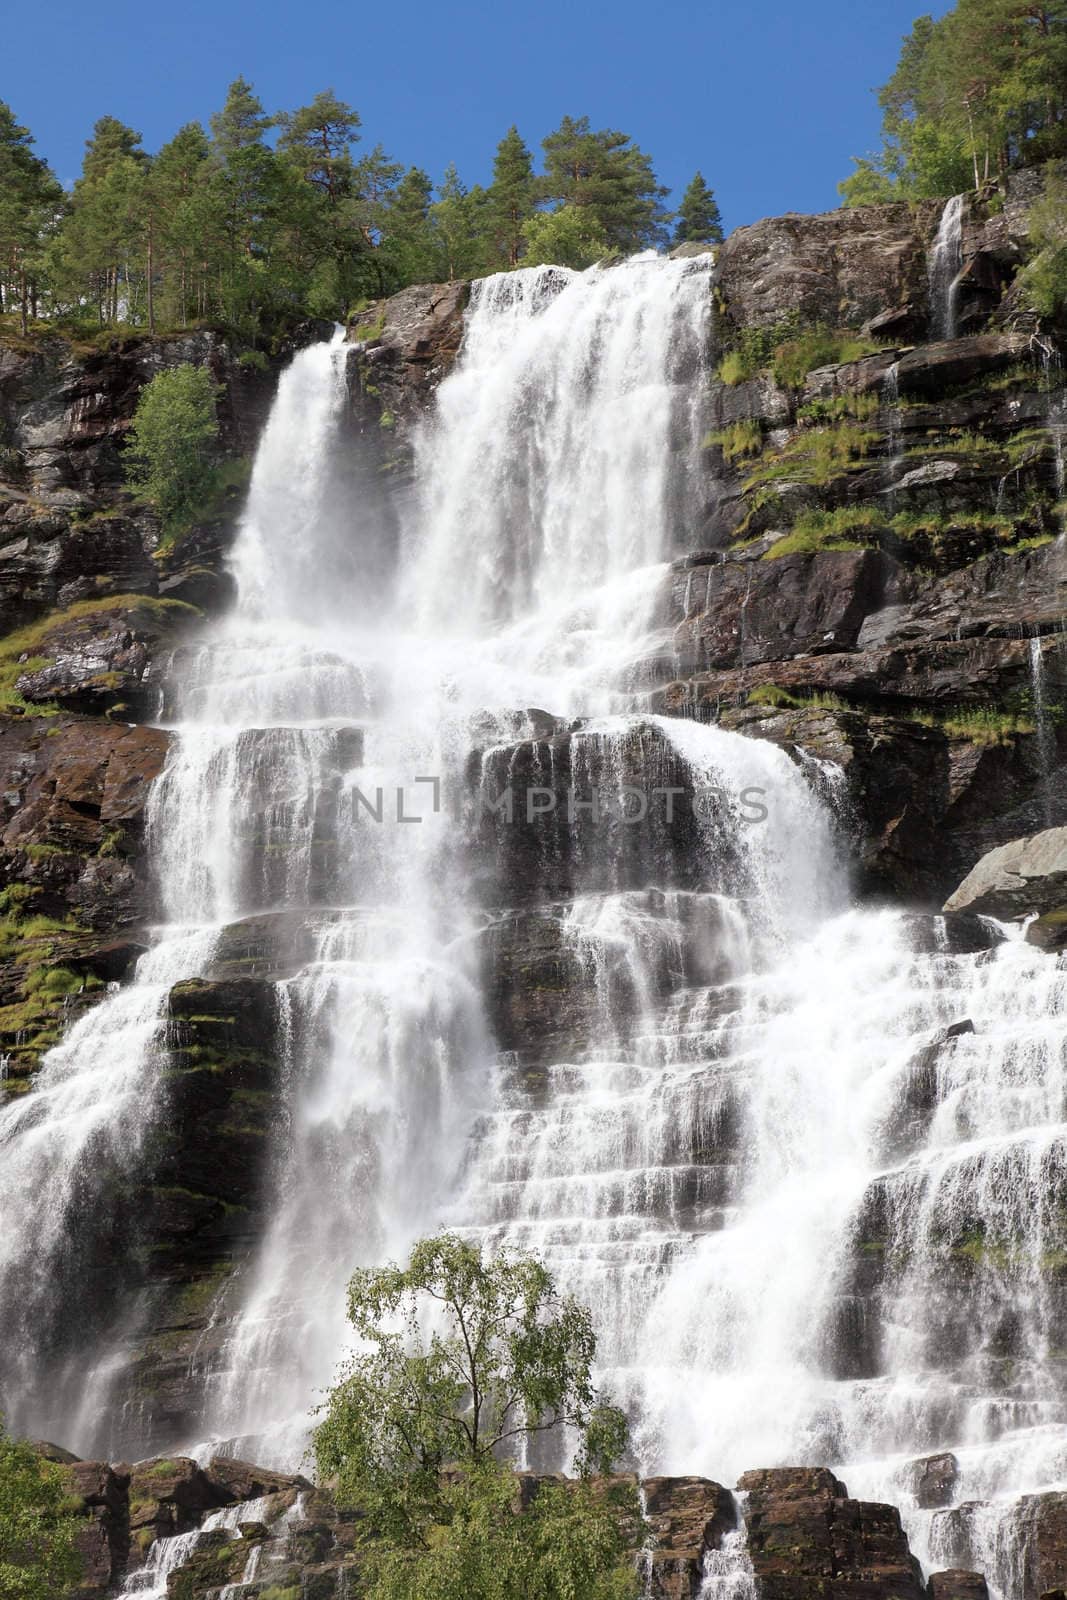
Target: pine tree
(458,221)
(512,197)
(605,171)
(30,197)
(699,220)
(318,140)
(99,254)
(246,182)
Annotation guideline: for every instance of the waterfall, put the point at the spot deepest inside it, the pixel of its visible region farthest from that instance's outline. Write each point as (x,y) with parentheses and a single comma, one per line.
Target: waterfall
(946,262)
(1046,738)
(803,1160)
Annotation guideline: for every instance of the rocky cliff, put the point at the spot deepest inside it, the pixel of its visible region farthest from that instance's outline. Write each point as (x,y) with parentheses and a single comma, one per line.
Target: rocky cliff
(877,578)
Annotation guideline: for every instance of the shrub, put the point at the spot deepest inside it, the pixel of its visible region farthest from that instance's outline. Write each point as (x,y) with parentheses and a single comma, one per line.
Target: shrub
(172,443)
(37,1554)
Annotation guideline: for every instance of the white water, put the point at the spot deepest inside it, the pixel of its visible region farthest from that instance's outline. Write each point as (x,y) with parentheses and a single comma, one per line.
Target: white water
(798,1245)
(945,264)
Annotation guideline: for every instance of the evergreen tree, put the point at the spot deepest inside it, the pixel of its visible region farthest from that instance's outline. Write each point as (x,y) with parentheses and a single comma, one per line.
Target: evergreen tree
(245,189)
(409,247)
(30,198)
(606,172)
(975,93)
(512,197)
(186,237)
(99,255)
(699,220)
(318,140)
(457,218)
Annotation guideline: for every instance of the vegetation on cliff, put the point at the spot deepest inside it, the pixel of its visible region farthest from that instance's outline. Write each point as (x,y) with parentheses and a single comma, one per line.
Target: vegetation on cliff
(974,94)
(37,1553)
(462,1360)
(262,218)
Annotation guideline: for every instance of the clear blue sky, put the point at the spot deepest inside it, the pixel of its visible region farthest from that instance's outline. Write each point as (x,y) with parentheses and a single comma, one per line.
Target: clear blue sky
(769,100)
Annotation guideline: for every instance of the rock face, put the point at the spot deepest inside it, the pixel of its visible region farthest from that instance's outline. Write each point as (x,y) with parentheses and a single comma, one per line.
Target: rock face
(201,1205)
(687,1518)
(841,267)
(807,1538)
(72,816)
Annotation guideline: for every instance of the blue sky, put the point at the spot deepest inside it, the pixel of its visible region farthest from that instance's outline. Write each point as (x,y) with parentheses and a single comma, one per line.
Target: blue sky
(768,100)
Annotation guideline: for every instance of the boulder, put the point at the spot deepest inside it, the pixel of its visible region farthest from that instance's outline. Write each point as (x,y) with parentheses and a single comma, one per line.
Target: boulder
(807,1538)
(687,1517)
(1017,879)
(935,1476)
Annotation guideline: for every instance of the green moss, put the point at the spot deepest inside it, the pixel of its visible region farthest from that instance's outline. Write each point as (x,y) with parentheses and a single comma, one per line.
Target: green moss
(815,456)
(770,694)
(981,725)
(839,408)
(847,528)
(367,332)
(818,347)
(738,440)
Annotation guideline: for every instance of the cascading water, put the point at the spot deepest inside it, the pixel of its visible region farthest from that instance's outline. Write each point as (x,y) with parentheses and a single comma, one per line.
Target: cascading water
(804,1162)
(946,261)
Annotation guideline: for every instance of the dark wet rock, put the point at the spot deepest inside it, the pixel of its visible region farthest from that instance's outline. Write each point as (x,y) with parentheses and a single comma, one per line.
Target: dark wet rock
(935,1476)
(100,662)
(200,1208)
(102,1540)
(588,812)
(806,1537)
(241,1480)
(687,1517)
(169,1495)
(958,1585)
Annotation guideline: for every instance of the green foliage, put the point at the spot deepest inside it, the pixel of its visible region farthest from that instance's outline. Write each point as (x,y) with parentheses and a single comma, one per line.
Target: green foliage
(605,172)
(1044,279)
(37,1554)
(770,694)
(569,237)
(738,440)
(847,528)
(459,1357)
(750,353)
(974,94)
(698,219)
(838,408)
(572,1543)
(818,347)
(512,199)
(171,446)
(29,197)
(981,725)
(816,456)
